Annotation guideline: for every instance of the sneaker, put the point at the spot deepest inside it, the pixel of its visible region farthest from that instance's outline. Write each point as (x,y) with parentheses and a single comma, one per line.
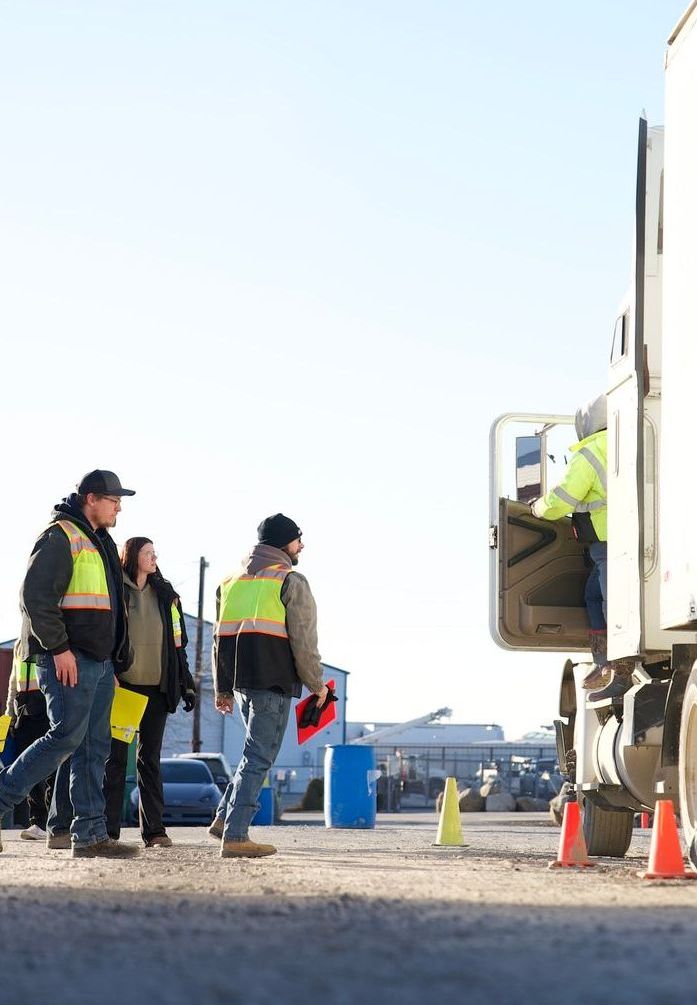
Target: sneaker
(216,828)
(108,848)
(159,841)
(245,849)
(58,842)
(33,833)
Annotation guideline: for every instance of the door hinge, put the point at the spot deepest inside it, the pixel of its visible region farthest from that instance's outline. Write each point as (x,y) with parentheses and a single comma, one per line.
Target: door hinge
(493,537)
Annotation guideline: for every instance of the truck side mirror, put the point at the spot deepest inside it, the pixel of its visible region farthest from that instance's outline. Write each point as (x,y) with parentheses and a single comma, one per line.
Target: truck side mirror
(528,468)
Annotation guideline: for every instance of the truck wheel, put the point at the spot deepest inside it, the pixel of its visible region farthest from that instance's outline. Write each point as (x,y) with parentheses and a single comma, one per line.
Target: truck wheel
(607,832)
(687,761)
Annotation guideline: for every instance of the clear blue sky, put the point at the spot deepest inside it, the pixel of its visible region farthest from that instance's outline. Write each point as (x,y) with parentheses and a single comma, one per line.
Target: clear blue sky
(296,256)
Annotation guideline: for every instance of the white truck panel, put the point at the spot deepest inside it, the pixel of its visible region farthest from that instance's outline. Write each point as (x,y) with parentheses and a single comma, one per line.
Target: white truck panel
(678,470)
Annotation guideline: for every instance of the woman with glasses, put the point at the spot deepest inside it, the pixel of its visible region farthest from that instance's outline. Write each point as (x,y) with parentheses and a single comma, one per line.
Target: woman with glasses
(160,671)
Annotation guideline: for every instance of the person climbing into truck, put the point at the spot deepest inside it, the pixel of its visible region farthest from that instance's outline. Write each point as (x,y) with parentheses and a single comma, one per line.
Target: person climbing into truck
(583,494)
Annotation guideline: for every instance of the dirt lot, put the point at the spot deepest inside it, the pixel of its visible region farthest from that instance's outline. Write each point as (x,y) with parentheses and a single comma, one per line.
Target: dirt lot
(345,917)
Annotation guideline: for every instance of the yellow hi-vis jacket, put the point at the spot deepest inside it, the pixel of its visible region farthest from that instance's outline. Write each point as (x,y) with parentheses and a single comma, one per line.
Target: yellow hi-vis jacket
(583,488)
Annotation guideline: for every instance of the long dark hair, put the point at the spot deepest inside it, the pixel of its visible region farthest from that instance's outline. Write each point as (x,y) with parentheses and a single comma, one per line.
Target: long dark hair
(129,564)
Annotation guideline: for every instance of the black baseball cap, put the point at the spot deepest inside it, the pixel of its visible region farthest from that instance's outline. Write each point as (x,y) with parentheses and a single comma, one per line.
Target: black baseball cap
(102,483)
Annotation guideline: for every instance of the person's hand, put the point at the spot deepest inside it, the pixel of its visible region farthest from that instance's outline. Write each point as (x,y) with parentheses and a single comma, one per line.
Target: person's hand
(224,703)
(189,700)
(66,668)
(322,696)
(117,682)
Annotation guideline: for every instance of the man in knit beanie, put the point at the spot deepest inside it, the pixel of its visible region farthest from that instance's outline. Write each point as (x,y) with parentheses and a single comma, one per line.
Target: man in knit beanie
(264,650)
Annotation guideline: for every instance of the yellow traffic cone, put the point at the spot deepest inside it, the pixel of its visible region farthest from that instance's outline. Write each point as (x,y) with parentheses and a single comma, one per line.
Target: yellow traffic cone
(450,825)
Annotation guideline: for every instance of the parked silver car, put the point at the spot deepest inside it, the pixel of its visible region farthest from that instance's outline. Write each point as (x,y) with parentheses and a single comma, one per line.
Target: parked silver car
(191,795)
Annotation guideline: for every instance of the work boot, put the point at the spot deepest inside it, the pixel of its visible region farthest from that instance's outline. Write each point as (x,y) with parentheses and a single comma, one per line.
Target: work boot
(620,682)
(58,842)
(216,828)
(159,841)
(245,849)
(108,848)
(599,676)
(33,833)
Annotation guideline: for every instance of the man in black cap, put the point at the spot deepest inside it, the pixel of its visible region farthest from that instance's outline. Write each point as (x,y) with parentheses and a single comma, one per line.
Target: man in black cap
(264,650)
(74,630)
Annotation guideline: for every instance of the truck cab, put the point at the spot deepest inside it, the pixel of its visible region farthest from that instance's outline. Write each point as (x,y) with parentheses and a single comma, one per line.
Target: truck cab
(622,754)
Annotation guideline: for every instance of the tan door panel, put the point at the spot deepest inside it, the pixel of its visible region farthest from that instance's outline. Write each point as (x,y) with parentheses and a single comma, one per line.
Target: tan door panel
(542,576)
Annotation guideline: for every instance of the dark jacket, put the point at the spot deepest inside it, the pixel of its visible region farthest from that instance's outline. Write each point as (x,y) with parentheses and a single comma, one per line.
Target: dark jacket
(46,627)
(176,679)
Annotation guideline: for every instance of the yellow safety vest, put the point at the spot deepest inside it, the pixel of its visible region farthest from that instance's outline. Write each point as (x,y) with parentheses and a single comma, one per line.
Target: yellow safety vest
(177,626)
(87,589)
(252,604)
(24,673)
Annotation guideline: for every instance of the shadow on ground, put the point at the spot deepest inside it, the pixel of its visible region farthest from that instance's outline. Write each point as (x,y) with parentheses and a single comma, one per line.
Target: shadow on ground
(81,947)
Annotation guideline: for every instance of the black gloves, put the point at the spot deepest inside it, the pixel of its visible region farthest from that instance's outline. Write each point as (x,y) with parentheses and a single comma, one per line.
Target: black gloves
(310,715)
(189,699)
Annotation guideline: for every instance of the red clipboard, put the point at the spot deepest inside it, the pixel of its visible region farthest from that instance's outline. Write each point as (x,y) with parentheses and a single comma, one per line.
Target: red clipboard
(327,715)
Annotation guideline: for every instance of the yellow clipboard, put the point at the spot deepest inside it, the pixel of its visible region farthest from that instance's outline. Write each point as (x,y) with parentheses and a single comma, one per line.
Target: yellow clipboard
(126,712)
(5,721)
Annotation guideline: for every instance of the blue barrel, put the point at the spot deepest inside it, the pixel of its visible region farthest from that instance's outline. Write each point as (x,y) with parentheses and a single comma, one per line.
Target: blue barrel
(264,815)
(350,786)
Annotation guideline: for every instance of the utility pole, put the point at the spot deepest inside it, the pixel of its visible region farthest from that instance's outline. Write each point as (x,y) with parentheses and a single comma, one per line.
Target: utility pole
(198,674)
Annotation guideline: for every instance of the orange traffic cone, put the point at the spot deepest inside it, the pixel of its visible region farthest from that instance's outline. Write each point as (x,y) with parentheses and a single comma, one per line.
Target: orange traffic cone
(665,855)
(572,844)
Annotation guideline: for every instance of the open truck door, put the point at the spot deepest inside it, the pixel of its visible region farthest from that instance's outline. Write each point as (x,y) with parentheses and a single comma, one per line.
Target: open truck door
(538,570)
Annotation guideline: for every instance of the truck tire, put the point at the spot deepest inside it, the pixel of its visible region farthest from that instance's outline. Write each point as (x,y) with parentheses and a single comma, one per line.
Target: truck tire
(607,832)
(687,766)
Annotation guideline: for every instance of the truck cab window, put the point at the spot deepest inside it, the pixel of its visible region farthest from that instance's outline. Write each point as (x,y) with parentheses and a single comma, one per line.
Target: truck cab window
(620,339)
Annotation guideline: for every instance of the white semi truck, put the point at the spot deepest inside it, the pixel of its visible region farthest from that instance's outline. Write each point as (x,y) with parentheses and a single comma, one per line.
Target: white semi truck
(623,754)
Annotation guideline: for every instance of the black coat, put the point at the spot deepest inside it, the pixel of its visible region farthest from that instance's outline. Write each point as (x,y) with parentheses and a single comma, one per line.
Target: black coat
(176,679)
(46,626)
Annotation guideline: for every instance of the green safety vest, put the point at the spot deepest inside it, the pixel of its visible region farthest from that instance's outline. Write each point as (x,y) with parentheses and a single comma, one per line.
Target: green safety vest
(177,626)
(24,673)
(87,589)
(252,604)
(584,486)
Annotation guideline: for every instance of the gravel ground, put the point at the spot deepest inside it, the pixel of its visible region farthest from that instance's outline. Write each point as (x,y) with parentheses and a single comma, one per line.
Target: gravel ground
(344,917)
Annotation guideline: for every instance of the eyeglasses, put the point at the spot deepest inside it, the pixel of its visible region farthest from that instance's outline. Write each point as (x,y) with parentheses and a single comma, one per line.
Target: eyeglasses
(113,499)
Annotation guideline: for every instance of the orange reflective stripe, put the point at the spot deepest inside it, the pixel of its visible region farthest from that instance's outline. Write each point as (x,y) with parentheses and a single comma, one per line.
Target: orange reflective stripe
(86,602)
(78,541)
(263,626)
(270,573)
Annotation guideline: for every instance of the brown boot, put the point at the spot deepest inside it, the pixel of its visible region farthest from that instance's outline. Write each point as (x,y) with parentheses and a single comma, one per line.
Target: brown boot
(599,676)
(159,841)
(245,849)
(108,848)
(59,842)
(216,828)
(620,682)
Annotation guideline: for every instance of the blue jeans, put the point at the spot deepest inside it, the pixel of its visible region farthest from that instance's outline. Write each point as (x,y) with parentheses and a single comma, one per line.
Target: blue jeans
(265,715)
(78,726)
(60,814)
(596,587)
